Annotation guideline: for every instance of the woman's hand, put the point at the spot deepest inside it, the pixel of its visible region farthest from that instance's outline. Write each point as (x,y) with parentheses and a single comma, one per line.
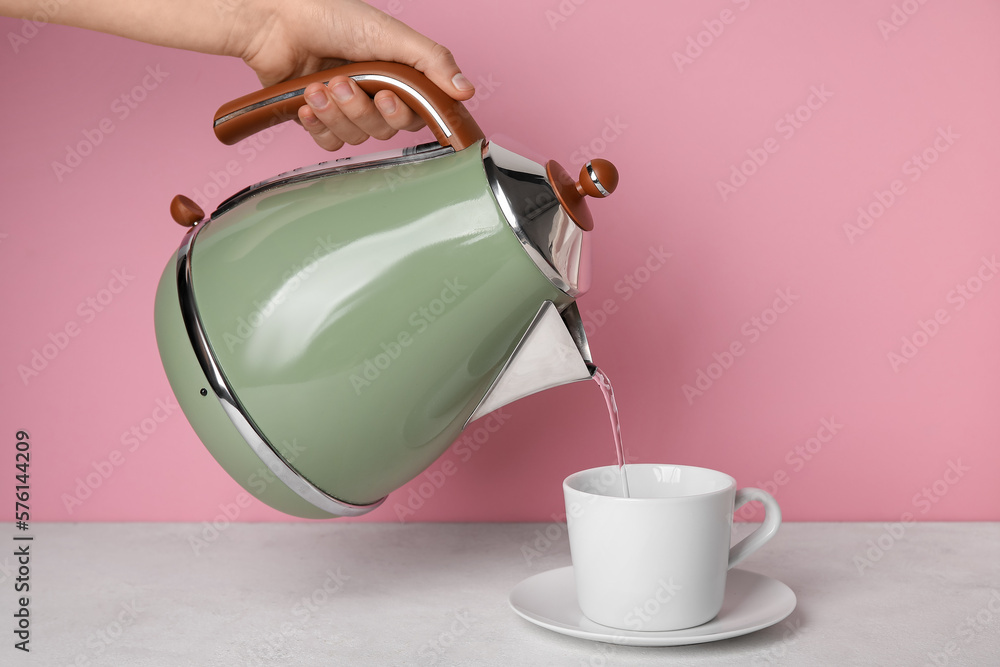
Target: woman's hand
(284,40)
(281,40)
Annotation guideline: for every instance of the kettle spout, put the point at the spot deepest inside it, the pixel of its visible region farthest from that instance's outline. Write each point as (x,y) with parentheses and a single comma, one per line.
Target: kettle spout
(553,351)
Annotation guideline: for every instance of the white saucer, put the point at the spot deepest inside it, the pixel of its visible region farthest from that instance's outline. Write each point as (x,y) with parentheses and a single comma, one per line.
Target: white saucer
(752,602)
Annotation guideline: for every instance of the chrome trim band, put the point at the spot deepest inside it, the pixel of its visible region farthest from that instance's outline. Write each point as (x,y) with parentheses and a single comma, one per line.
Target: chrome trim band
(420,99)
(267,453)
(595,179)
(263,103)
(556,244)
(390,158)
(574,323)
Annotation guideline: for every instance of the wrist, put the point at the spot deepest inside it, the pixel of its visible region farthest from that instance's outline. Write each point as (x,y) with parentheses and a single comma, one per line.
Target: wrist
(247,23)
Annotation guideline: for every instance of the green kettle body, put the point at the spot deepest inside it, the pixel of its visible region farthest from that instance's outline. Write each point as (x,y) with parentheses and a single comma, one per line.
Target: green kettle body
(361,318)
(330,332)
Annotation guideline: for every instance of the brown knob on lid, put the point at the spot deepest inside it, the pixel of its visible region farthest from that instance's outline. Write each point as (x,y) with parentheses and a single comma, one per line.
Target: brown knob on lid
(184,211)
(598,178)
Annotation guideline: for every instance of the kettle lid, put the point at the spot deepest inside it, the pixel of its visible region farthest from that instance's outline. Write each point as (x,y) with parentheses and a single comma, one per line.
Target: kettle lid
(598,178)
(548,212)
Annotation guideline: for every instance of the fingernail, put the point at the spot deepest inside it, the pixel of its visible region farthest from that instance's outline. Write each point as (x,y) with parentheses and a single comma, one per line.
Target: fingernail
(310,120)
(317,100)
(460,82)
(342,92)
(387,105)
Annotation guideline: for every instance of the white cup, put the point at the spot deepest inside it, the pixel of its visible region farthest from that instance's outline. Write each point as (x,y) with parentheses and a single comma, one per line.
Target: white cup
(657,560)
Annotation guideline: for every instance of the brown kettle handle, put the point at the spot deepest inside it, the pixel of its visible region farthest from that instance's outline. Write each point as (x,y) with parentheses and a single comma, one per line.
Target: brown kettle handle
(448,119)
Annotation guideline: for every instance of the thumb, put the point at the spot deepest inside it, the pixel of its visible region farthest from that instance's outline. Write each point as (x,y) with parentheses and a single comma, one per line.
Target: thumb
(398,42)
(439,65)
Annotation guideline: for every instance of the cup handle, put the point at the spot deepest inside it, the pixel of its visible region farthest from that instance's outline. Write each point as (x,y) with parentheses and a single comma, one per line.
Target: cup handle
(767,530)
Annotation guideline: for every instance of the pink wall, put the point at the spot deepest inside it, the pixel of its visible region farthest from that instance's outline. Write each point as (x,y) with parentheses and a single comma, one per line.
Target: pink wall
(599,79)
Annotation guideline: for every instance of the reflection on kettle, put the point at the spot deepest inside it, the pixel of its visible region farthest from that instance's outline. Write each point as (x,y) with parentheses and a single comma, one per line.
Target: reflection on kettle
(329,332)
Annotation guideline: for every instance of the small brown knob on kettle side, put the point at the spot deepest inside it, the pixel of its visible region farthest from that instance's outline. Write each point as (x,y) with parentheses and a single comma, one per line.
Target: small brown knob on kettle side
(184,211)
(598,178)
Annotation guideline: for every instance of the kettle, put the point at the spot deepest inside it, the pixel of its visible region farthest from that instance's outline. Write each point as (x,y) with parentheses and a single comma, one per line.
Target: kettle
(329,332)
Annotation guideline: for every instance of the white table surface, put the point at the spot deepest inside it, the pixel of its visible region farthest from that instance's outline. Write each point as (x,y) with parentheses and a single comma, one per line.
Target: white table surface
(436,594)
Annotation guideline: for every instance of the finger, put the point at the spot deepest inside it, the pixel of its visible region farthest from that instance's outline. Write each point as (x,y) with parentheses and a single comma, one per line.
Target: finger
(320,100)
(397,42)
(322,103)
(358,109)
(320,133)
(396,114)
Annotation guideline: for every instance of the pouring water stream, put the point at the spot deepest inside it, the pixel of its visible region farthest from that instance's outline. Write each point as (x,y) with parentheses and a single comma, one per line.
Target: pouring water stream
(609,397)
